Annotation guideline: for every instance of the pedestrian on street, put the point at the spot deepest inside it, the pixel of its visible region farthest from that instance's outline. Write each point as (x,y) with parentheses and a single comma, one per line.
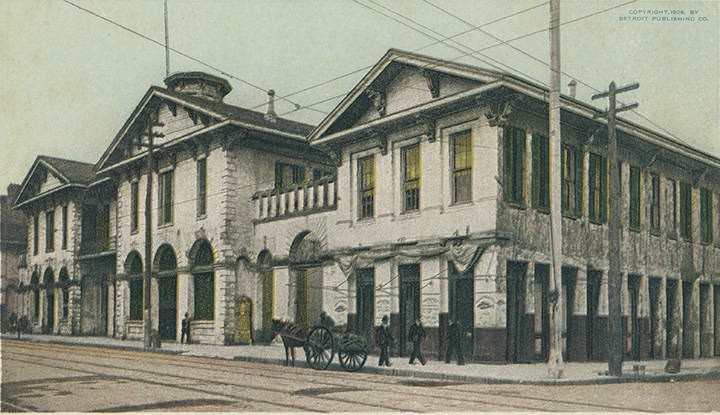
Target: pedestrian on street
(185,330)
(417,335)
(454,341)
(383,338)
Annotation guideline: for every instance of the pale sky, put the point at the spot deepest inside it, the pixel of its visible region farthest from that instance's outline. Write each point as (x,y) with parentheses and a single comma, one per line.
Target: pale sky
(69,80)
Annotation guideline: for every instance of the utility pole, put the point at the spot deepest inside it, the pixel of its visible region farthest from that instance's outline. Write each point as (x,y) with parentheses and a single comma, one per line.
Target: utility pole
(555,359)
(167,43)
(147,279)
(614,231)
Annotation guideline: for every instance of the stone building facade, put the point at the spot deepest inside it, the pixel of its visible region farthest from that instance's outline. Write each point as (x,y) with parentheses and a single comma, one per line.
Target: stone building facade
(440,210)
(13,244)
(423,194)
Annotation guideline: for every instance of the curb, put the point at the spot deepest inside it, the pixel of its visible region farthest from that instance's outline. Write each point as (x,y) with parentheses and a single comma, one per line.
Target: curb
(335,367)
(105,346)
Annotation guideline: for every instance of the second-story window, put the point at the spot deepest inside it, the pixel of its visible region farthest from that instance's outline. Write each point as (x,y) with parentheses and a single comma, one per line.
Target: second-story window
(50,231)
(686,221)
(288,174)
(540,172)
(36,234)
(461,145)
(165,188)
(514,159)
(706,216)
(134,207)
(635,205)
(655,203)
(671,203)
(597,189)
(64,227)
(572,181)
(411,177)
(366,187)
(201,187)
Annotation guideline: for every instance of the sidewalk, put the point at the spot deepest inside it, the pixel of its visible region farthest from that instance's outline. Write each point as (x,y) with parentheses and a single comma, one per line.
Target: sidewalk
(573,373)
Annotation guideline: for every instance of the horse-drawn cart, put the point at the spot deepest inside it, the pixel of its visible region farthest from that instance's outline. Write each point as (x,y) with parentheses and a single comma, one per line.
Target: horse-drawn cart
(352,349)
(321,344)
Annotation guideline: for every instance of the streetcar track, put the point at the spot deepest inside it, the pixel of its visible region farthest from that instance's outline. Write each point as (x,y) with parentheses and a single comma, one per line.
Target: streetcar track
(403,394)
(172,360)
(218,382)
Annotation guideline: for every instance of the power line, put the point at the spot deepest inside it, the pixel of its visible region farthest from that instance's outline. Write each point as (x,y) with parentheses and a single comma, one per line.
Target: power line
(183,54)
(535,58)
(353,72)
(523,36)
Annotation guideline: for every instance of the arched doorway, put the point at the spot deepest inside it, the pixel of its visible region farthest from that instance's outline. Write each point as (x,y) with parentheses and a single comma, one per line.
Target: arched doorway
(265,269)
(65,287)
(134,273)
(202,259)
(49,318)
(306,271)
(166,264)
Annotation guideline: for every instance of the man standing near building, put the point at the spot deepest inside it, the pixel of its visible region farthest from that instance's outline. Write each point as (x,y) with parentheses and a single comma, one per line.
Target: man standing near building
(454,343)
(383,338)
(185,330)
(417,335)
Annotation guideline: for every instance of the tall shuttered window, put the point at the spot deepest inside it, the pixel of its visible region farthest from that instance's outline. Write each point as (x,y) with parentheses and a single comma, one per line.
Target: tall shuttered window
(706,216)
(411,177)
(36,233)
(597,189)
(635,198)
(514,161)
(134,206)
(671,204)
(64,227)
(655,203)
(201,187)
(288,174)
(50,231)
(136,299)
(572,181)
(461,153)
(366,187)
(166,198)
(686,207)
(540,172)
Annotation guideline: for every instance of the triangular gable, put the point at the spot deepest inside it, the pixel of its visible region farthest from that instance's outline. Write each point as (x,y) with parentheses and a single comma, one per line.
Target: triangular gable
(401,80)
(178,116)
(43,177)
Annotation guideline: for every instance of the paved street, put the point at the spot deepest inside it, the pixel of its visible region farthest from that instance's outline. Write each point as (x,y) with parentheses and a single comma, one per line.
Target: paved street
(50,377)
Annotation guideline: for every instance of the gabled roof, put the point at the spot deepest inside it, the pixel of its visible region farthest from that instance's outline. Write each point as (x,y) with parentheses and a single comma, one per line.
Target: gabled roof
(70,173)
(220,111)
(491,80)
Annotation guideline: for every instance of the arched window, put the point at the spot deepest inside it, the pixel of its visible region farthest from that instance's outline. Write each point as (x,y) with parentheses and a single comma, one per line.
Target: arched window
(204,280)
(133,269)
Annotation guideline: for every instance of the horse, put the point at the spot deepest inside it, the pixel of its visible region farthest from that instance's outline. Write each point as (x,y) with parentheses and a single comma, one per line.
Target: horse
(292,335)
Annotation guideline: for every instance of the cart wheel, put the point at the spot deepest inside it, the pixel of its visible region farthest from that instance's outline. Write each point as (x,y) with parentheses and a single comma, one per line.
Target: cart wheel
(320,348)
(352,361)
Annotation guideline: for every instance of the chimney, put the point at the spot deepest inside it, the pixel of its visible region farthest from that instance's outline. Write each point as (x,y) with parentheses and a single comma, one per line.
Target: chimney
(270,114)
(572,86)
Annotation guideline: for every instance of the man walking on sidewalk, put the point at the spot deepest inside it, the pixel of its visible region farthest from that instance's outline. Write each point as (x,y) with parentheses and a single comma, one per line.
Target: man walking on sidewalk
(417,335)
(383,338)
(454,343)
(185,330)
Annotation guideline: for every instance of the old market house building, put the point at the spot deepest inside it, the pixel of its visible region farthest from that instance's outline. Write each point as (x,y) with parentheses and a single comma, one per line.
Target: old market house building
(423,194)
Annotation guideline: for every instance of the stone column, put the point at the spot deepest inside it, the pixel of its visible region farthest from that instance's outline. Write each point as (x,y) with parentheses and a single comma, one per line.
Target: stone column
(430,299)
(225,319)
(383,295)
(184,305)
(335,301)
(706,316)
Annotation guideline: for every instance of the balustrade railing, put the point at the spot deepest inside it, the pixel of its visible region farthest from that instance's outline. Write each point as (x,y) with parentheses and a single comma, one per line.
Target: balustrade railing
(301,199)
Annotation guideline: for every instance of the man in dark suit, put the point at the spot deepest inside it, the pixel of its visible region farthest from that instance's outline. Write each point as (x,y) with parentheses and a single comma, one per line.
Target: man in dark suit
(185,334)
(455,343)
(417,334)
(383,338)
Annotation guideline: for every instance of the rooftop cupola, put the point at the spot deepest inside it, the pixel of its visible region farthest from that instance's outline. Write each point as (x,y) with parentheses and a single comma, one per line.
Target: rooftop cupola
(199,84)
